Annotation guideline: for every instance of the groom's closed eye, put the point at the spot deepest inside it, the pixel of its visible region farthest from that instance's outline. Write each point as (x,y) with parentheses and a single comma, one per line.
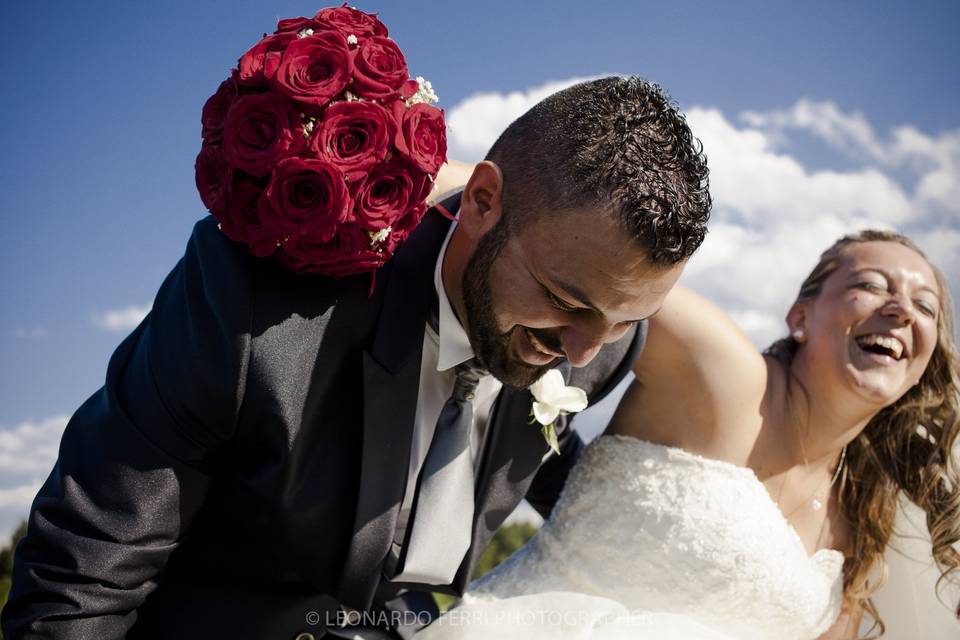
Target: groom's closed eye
(585,303)
(559,303)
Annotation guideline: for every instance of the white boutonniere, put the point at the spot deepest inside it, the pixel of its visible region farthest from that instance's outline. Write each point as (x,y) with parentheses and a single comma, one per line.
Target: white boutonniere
(553,398)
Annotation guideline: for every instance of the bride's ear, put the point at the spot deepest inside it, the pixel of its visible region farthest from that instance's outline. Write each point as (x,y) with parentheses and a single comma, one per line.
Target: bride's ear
(481,204)
(797,322)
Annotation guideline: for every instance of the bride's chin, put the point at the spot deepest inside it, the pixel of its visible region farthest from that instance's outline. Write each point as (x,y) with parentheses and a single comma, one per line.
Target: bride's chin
(873,386)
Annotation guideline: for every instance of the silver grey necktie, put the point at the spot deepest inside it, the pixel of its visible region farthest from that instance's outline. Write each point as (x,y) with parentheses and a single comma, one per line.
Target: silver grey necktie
(442,523)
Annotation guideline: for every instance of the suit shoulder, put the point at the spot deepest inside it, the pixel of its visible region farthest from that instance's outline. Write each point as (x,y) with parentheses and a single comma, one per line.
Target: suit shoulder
(227,268)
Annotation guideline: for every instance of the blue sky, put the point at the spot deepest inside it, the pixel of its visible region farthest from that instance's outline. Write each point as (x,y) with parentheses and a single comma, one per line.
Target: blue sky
(101,110)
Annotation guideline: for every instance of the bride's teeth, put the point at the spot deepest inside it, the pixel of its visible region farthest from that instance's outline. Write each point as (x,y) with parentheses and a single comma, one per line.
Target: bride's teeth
(886,342)
(897,349)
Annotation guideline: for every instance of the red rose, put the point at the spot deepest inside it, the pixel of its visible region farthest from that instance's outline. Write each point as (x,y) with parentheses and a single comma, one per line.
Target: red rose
(296,25)
(259,131)
(305,197)
(212,176)
(215,110)
(408,89)
(241,220)
(405,225)
(314,69)
(260,63)
(385,194)
(424,137)
(349,252)
(355,136)
(379,68)
(350,21)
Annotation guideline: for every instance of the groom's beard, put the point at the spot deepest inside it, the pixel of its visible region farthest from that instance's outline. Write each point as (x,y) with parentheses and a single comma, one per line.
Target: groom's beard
(491,346)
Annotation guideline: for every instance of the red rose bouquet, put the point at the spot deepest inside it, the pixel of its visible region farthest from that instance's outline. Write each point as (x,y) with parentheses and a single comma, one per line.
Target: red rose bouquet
(319,149)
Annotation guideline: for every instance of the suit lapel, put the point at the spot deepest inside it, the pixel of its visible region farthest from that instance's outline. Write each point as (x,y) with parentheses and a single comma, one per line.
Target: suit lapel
(391,377)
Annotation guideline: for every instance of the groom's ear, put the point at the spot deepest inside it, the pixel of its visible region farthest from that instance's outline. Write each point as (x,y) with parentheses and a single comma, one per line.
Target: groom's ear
(481,203)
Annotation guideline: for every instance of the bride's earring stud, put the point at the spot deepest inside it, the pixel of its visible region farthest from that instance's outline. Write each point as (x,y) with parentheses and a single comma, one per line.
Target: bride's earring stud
(798,335)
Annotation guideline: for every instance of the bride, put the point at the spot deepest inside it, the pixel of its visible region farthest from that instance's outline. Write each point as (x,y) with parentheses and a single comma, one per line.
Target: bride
(745,495)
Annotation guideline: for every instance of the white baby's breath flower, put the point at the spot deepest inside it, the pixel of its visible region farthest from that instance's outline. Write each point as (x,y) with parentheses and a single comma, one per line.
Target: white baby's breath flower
(305,33)
(376,237)
(425,93)
(350,97)
(352,40)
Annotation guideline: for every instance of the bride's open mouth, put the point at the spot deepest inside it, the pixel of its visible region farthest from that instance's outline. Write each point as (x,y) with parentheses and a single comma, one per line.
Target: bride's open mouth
(881,348)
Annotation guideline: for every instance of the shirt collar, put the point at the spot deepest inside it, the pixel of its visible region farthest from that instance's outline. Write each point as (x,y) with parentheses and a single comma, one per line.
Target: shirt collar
(454,344)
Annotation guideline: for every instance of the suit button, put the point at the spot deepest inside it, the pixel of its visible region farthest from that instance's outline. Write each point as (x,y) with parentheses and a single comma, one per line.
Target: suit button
(304,636)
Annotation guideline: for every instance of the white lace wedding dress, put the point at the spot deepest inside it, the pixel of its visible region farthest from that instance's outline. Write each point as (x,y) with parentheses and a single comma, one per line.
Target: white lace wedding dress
(649,541)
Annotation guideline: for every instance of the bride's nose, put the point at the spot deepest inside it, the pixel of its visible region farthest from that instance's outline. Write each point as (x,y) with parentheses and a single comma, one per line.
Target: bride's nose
(900,309)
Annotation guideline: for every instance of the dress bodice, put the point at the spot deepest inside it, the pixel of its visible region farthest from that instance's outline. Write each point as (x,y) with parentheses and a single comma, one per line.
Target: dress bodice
(659,529)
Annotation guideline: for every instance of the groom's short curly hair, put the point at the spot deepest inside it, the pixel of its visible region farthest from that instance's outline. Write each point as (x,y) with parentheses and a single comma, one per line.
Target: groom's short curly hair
(617,144)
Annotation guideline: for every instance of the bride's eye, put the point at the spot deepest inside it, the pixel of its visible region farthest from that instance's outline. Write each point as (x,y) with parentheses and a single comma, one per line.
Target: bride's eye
(870,286)
(927,308)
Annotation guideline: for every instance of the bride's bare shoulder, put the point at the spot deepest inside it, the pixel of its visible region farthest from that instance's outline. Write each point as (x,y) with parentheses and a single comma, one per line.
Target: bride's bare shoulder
(700,382)
(452,177)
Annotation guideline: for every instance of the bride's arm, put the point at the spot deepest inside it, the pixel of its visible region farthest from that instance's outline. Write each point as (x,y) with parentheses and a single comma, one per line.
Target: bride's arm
(699,381)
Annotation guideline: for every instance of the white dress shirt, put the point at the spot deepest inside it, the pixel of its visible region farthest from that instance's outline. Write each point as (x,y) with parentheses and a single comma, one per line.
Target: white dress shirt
(441,353)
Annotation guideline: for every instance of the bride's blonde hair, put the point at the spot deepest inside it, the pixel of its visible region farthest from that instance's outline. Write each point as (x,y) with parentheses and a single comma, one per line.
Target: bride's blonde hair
(908,447)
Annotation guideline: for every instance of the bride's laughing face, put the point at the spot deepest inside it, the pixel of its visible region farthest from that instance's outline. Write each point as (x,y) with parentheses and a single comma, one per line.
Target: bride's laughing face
(873,328)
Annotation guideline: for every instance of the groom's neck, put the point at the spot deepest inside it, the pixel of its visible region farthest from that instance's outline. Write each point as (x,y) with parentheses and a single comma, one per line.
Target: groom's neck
(455,259)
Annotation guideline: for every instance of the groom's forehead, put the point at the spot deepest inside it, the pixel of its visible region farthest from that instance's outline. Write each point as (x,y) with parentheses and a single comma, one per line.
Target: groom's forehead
(589,236)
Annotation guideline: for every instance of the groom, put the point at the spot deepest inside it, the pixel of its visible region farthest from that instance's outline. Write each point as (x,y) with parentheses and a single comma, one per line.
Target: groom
(256,464)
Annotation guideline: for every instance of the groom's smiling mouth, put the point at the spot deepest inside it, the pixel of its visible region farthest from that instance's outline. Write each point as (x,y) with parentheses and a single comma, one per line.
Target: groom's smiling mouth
(532,349)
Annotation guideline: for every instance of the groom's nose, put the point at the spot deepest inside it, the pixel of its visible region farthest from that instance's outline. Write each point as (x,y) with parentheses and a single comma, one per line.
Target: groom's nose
(582,339)
(580,346)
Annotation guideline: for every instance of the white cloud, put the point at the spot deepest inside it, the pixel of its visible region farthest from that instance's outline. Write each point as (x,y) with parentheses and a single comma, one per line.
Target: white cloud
(756,183)
(31,333)
(18,499)
(29,448)
(28,452)
(475,123)
(936,159)
(845,131)
(14,507)
(763,327)
(774,214)
(121,319)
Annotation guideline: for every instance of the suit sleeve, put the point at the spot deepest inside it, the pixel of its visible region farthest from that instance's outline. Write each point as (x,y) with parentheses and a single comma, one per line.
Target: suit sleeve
(599,379)
(134,460)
